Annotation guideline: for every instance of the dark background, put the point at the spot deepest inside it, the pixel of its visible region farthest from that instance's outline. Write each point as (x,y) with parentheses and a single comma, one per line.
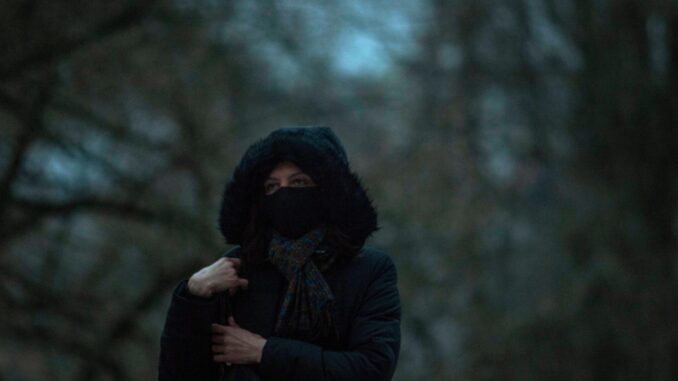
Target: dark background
(522,155)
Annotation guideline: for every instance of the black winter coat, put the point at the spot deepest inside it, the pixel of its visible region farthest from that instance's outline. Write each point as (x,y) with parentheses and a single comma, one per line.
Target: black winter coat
(367,317)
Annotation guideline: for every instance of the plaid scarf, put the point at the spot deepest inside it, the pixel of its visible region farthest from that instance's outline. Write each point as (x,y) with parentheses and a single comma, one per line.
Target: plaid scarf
(306,310)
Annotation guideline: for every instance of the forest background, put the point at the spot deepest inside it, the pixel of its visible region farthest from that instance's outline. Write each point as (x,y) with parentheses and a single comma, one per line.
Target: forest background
(522,155)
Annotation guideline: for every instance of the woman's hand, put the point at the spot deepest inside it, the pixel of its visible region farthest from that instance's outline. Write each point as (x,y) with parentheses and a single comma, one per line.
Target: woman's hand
(234,345)
(220,276)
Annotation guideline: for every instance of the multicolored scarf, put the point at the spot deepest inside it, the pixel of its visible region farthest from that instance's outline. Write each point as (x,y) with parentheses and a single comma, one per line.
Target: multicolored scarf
(306,310)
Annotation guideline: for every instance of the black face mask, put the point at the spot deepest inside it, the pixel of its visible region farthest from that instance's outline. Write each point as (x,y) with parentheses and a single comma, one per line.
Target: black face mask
(294,211)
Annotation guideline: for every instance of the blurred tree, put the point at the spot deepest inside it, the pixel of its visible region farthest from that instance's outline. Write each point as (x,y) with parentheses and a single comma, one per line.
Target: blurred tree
(107,177)
(521,153)
(555,123)
(624,129)
(120,123)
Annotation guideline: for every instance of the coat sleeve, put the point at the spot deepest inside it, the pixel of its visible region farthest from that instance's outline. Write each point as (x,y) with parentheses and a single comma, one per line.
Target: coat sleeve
(185,352)
(373,342)
(185,344)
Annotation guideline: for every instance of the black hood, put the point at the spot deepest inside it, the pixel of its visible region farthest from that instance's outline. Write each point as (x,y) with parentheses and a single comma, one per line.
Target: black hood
(319,153)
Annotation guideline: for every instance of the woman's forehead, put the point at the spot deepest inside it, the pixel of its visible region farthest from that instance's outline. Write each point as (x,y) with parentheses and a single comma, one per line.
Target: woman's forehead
(284,169)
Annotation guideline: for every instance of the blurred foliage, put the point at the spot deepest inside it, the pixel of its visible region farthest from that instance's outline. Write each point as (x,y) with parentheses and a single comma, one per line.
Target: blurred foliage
(522,155)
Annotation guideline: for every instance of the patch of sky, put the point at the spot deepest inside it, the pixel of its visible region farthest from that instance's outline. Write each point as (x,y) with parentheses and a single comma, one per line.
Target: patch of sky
(360,53)
(147,123)
(358,37)
(657,36)
(549,39)
(373,36)
(499,135)
(450,57)
(58,171)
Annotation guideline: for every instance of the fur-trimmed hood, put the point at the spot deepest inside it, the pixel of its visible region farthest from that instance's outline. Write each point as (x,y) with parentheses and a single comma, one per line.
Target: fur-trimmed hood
(319,153)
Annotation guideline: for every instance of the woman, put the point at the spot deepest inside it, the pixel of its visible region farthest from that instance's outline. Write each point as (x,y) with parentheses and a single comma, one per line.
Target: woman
(299,297)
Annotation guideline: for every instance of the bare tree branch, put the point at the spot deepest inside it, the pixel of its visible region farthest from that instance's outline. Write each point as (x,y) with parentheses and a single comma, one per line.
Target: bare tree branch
(31,118)
(50,53)
(36,296)
(127,323)
(92,204)
(34,211)
(43,337)
(88,115)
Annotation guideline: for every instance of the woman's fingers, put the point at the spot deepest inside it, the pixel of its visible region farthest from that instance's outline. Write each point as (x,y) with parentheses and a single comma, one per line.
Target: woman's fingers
(242,282)
(217,277)
(235,261)
(222,333)
(218,349)
(232,344)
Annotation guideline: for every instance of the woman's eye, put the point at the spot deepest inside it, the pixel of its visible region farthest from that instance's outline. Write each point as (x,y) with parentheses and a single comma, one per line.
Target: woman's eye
(302,182)
(270,188)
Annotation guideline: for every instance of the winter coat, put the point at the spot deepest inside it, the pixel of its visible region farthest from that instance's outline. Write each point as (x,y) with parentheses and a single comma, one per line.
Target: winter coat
(367,306)
(367,317)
